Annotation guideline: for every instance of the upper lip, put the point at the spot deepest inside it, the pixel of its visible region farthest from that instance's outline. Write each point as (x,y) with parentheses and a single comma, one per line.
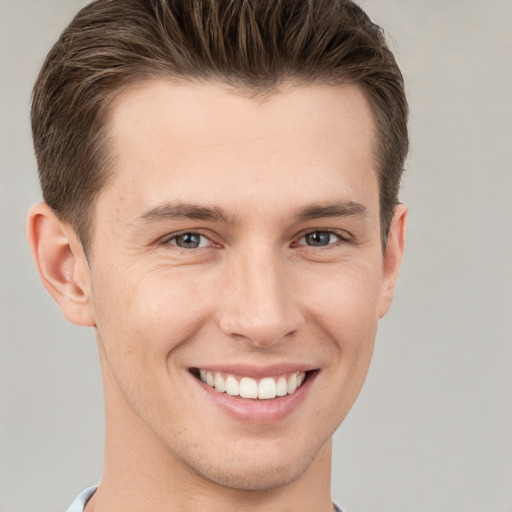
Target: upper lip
(257,372)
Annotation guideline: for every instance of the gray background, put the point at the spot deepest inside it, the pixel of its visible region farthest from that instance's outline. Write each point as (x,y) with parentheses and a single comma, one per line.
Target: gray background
(432,429)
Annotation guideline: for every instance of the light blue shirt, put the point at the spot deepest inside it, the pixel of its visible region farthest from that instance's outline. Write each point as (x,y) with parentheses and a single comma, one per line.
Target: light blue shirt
(79,504)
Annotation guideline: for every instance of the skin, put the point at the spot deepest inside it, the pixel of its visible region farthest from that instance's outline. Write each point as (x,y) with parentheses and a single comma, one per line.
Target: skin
(254,292)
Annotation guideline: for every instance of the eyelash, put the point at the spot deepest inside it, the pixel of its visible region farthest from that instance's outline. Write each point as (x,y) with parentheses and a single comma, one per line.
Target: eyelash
(341,238)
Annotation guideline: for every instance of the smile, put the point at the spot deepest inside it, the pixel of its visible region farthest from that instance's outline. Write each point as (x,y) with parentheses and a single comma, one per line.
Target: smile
(266,388)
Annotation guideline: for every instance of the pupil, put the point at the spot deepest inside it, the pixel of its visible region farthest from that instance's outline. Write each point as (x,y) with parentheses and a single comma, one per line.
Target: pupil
(188,241)
(318,238)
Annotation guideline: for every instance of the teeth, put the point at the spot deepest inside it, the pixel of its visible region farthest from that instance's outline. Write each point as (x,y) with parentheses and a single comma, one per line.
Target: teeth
(232,386)
(220,385)
(247,387)
(292,384)
(281,387)
(267,388)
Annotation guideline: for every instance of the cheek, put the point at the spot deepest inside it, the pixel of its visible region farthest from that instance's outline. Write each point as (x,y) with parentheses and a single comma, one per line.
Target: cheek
(142,317)
(345,314)
(346,301)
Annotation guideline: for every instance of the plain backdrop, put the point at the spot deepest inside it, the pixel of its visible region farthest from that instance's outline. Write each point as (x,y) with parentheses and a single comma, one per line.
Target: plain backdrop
(432,429)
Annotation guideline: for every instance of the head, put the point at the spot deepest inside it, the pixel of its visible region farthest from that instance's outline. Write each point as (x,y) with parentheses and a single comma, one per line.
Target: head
(231,170)
(252,47)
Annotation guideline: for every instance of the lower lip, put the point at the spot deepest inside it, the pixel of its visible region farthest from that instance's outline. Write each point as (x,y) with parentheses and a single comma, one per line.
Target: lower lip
(256,410)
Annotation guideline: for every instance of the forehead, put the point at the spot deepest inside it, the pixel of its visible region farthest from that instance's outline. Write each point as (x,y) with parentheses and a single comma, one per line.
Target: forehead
(206,143)
(213,113)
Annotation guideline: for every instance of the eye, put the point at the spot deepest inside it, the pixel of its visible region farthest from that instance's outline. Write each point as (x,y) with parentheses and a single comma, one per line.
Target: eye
(189,240)
(319,239)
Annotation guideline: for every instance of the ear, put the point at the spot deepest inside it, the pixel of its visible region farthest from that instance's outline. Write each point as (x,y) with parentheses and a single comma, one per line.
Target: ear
(61,263)
(393,257)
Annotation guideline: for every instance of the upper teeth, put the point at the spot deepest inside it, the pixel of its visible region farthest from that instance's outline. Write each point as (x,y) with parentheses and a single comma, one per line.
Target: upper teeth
(247,387)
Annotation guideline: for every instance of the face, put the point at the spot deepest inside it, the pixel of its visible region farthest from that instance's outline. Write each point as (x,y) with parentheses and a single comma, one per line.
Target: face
(237,275)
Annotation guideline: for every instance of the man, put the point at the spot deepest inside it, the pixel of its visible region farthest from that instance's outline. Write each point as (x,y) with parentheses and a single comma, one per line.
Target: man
(220,183)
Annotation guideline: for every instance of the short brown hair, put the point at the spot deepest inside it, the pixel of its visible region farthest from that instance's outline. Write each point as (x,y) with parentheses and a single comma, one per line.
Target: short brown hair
(253,45)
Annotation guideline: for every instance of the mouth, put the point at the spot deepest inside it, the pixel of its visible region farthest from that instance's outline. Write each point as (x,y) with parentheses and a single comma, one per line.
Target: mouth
(263,396)
(266,388)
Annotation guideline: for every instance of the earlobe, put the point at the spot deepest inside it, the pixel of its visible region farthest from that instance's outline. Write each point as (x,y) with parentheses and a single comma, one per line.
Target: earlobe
(61,263)
(393,257)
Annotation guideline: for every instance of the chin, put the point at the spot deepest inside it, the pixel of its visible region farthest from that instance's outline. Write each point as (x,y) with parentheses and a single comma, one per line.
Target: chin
(254,477)
(254,470)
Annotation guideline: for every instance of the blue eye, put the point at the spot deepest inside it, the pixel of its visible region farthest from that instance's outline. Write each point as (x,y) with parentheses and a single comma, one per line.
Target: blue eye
(189,240)
(319,239)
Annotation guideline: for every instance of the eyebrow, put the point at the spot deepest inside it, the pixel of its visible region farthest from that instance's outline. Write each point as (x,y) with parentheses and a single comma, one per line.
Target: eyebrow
(184,210)
(178,209)
(337,209)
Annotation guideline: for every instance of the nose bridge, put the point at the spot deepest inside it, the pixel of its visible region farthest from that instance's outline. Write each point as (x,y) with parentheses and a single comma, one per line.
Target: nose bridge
(258,304)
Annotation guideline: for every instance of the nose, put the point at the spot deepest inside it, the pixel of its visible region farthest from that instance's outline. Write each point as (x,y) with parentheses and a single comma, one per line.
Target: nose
(259,304)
